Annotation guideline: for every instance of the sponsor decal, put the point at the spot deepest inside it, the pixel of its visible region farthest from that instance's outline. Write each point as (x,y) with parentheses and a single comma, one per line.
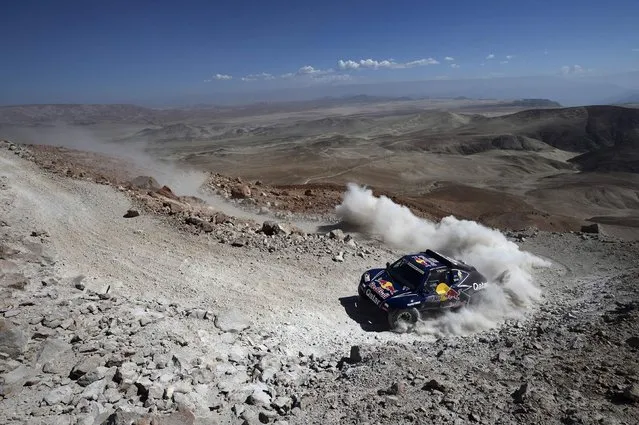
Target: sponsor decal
(388,286)
(372,297)
(383,288)
(424,261)
(478,286)
(432,298)
(446,293)
(452,294)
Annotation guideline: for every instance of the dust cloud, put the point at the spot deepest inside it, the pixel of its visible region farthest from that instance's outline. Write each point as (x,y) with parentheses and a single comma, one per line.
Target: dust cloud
(508,269)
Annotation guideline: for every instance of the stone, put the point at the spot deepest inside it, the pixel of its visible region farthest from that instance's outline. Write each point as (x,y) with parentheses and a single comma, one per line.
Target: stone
(519,395)
(339,257)
(434,385)
(206,226)
(93,390)
(13,341)
(259,398)
(126,374)
(145,182)
(84,366)
(271,228)
(58,395)
(355,355)
(630,394)
(12,280)
(240,192)
(53,349)
(590,228)
(633,341)
(231,321)
(131,213)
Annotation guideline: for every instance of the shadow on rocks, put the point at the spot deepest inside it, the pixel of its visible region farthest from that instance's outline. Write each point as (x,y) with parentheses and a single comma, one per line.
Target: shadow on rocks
(369,318)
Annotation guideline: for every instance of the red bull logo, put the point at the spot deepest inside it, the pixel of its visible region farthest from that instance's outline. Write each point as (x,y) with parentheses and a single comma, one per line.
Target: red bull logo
(387,286)
(451,294)
(421,260)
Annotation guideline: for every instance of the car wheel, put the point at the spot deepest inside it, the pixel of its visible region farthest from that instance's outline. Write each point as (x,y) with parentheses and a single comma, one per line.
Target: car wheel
(402,320)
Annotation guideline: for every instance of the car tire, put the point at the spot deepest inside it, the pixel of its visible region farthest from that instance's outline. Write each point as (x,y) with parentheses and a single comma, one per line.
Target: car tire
(402,320)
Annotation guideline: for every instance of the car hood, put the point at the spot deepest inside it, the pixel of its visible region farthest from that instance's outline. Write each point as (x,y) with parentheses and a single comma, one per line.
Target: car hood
(384,286)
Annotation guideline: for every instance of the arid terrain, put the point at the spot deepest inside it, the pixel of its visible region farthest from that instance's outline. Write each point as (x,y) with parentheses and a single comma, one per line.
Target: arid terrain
(200,266)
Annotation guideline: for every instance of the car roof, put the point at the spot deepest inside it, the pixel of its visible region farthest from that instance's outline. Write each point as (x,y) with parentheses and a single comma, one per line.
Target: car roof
(424,262)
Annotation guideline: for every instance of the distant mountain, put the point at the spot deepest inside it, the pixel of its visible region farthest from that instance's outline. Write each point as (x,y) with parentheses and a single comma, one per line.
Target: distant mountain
(76,114)
(629,99)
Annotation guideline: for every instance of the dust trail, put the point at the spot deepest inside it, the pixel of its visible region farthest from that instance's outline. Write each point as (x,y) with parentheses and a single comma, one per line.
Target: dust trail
(487,249)
(182,180)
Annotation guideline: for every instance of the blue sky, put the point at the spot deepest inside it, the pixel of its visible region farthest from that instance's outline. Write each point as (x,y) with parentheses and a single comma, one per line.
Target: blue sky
(83,51)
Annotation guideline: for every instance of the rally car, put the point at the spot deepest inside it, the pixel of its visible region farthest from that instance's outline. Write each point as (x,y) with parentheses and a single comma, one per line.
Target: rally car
(420,282)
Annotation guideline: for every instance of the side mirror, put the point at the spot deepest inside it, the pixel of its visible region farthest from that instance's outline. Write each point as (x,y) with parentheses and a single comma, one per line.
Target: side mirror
(387,264)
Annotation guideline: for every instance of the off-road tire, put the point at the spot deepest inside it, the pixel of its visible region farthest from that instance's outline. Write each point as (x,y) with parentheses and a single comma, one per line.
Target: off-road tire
(402,320)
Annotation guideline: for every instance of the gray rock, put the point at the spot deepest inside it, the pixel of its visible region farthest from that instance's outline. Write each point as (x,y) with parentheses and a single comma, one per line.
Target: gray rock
(434,385)
(53,349)
(59,395)
(126,374)
(270,228)
(631,393)
(590,228)
(519,395)
(13,341)
(131,213)
(339,257)
(259,398)
(13,381)
(96,374)
(633,341)
(93,390)
(336,234)
(231,321)
(84,366)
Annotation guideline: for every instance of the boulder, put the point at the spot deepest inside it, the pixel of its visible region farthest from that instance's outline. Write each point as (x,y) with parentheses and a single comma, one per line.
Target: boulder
(131,213)
(13,341)
(270,228)
(145,182)
(167,193)
(590,228)
(231,321)
(240,192)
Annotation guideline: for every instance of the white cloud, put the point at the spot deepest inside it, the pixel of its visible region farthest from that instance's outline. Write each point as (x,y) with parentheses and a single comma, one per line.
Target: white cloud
(448,58)
(546,52)
(509,57)
(635,50)
(490,56)
(261,76)
(572,70)
(454,65)
(503,62)
(348,65)
(222,77)
(306,70)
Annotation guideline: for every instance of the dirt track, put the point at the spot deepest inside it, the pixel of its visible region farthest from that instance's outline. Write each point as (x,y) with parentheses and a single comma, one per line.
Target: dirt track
(146,256)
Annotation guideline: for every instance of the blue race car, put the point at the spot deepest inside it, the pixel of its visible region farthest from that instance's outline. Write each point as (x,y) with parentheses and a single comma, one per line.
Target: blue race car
(420,282)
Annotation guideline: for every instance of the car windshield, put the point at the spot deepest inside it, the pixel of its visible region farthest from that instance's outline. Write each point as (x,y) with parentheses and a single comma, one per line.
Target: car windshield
(406,273)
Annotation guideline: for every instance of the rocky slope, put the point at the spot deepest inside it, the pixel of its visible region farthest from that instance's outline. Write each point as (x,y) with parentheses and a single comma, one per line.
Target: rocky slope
(153,319)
